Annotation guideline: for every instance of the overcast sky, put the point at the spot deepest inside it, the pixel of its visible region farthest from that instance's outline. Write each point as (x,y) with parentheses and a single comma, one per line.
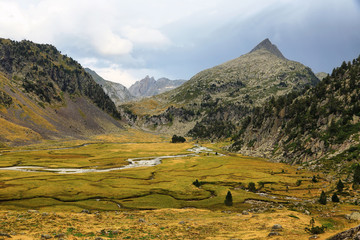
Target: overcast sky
(124,40)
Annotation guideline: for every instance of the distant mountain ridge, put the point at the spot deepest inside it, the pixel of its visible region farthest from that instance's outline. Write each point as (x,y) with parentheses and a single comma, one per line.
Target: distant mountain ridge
(116,91)
(149,86)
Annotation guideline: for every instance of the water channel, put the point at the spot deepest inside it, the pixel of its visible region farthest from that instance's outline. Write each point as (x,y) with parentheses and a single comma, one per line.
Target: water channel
(133,163)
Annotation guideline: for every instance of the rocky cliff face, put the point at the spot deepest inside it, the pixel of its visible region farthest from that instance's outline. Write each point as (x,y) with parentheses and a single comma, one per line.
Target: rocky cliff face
(117,92)
(149,86)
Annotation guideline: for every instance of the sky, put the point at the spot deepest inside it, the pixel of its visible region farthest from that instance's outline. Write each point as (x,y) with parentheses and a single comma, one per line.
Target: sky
(125,40)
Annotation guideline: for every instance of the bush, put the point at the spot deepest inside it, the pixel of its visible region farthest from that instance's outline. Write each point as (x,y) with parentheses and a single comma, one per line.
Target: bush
(178,139)
(228,199)
(335,198)
(298,183)
(315,229)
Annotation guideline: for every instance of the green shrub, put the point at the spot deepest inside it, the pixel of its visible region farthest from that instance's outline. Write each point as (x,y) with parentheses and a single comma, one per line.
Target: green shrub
(335,198)
(178,139)
(315,229)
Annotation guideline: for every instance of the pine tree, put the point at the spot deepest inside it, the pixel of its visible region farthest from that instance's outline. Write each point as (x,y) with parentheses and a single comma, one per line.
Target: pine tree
(197,183)
(357,174)
(335,198)
(252,187)
(228,199)
(322,199)
(314,179)
(340,186)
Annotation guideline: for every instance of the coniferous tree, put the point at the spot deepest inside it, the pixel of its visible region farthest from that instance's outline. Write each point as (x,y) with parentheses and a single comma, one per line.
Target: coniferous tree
(322,199)
(335,198)
(197,183)
(314,179)
(228,199)
(252,187)
(357,174)
(340,186)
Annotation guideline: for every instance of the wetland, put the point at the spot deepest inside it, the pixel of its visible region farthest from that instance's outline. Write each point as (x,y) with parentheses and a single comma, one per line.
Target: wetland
(97,177)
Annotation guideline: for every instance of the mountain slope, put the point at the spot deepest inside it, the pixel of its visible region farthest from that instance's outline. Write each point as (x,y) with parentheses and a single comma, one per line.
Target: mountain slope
(320,127)
(149,86)
(116,91)
(249,79)
(218,98)
(44,94)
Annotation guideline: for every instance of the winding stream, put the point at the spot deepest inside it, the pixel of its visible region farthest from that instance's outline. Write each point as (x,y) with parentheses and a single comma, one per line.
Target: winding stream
(133,163)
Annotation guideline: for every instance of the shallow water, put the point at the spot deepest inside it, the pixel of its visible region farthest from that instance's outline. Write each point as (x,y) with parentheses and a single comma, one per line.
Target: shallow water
(133,163)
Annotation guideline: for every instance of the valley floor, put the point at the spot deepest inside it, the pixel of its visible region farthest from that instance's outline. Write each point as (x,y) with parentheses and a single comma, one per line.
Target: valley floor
(161,201)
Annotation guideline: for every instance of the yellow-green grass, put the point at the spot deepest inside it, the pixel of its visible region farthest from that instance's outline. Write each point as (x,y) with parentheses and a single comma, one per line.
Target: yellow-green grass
(168,185)
(162,224)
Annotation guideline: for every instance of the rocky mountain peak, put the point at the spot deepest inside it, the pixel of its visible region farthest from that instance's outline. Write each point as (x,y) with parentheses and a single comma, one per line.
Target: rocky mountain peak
(148,86)
(148,79)
(266,44)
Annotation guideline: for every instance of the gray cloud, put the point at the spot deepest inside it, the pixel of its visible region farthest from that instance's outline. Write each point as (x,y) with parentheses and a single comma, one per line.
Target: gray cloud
(125,40)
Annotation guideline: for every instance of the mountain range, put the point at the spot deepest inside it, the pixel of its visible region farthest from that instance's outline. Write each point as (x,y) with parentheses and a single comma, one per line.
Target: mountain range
(146,87)
(149,86)
(47,95)
(265,104)
(212,103)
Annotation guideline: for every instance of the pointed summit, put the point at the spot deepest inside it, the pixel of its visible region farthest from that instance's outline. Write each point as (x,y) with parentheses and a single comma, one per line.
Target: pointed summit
(266,44)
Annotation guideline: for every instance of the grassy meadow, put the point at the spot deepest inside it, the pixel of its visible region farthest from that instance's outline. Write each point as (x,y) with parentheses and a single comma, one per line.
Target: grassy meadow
(164,192)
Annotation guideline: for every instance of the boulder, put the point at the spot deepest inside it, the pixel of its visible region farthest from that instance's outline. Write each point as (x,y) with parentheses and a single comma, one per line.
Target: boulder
(355,216)
(352,233)
(273,234)
(277,227)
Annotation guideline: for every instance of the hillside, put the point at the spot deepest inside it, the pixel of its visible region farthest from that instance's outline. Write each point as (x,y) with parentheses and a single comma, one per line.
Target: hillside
(44,94)
(117,92)
(249,79)
(211,104)
(149,86)
(319,127)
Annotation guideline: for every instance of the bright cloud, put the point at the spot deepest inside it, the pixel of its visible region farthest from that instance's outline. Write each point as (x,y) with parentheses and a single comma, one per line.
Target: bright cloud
(146,36)
(108,43)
